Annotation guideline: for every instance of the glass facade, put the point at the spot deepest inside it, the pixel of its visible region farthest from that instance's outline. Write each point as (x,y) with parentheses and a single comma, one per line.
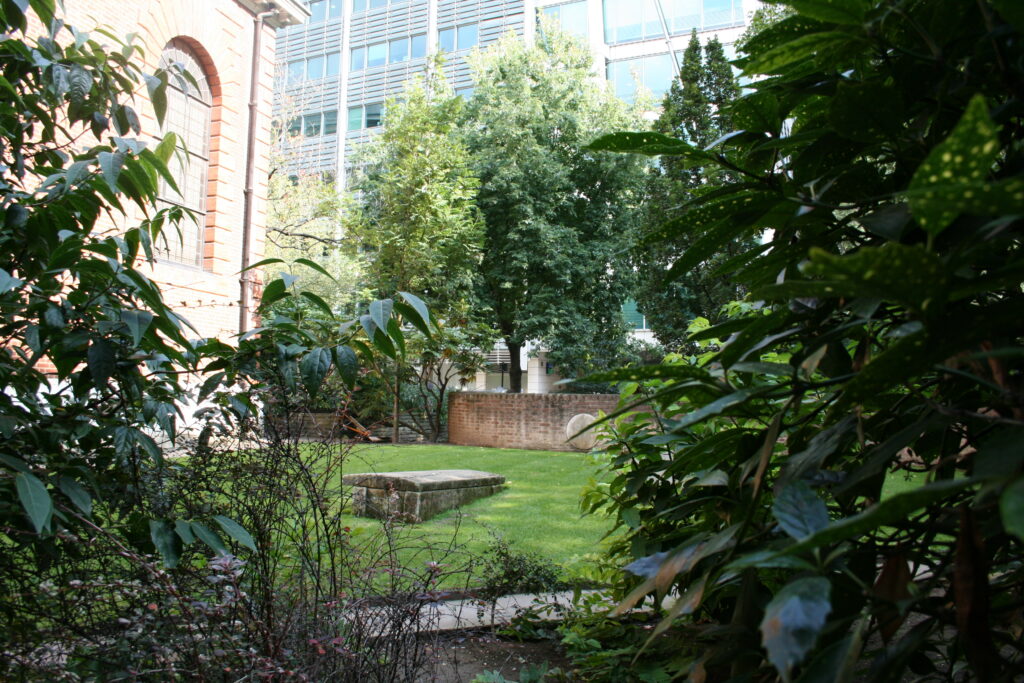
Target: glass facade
(629,20)
(571,17)
(654,72)
(457,38)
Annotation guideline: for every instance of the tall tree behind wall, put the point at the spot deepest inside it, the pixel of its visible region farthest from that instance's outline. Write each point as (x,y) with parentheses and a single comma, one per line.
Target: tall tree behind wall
(558,217)
(692,110)
(415,211)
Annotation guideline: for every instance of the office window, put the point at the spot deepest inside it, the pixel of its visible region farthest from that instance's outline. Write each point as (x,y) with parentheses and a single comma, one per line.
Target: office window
(317,11)
(296,70)
(189,108)
(333,9)
(375,4)
(571,17)
(466,36)
(330,122)
(654,73)
(333,67)
(398,50)
(373,114)
(419,46)
(314,68)
(464,93)
(458,38)
(446,39)
(358,5)
(377,55)
(294,126)
(358,58)
(355,118)
(366,116)
(311,125)
(627,20)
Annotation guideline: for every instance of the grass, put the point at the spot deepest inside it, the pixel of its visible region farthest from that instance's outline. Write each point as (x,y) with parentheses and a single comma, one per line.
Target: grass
(538,512)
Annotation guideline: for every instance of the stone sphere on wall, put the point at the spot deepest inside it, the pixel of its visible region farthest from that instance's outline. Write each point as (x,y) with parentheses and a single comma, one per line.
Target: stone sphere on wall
(586,440)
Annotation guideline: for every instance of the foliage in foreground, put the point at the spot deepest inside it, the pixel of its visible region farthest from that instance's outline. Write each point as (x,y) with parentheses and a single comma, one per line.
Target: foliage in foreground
(116,563)
(885,149)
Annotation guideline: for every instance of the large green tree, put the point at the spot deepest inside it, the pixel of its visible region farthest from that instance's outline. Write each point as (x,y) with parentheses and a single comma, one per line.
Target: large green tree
(694,109)
(415,211)
(558,217)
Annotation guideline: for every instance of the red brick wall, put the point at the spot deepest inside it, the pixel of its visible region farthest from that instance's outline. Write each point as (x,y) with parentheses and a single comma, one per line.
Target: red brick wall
(533,421)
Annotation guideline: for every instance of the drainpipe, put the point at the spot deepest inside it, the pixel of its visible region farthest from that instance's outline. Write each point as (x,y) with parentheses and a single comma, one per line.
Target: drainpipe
(245,280)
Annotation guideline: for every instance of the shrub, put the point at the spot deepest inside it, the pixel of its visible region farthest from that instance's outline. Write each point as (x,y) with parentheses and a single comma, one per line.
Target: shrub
(883,148)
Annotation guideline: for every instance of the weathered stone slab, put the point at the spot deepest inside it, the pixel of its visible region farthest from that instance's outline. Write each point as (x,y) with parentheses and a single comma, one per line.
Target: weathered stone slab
(418,495)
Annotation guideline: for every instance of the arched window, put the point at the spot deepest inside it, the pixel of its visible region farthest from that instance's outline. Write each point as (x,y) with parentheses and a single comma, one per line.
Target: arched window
(189,107)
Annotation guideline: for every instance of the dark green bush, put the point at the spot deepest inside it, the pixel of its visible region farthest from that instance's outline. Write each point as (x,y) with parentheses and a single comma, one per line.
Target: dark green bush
(883,146)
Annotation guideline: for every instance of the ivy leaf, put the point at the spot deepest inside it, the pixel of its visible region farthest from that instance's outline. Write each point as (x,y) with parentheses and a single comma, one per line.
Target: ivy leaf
(799,510)
(314,368)
(793,620)
(236,531)
(965,157)
(35,499)
(167,542)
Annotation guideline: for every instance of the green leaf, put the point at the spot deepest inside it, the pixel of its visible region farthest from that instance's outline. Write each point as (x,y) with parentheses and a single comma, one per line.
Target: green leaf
(847,12)
(347,363)
(806,47)
(77,494)
(854,112)
(211,539)
(234,530)
(889,511)
(1012,11)
(35,499)
(1011,508)
(650,372)
(650,144)
(964,158)
(792,621)
(167,542)
(157,87)
(716,407)
(101,360)
(318,302)
(273,292)
(799,510)
(111,164)
(395,333)
(137,322)
(315,266)
(8,282)
(184,531)
(380,311)
(314,368)
(261,264)
(382,342)
(79,83)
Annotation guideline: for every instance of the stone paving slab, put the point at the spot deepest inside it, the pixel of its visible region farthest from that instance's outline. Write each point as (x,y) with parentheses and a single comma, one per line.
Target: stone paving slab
(418,495)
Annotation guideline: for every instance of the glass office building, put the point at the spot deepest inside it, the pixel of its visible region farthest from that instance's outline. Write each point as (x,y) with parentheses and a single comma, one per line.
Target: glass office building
(337,70)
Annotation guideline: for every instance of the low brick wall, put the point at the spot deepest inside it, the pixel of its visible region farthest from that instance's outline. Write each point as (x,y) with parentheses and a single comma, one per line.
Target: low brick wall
(533,421)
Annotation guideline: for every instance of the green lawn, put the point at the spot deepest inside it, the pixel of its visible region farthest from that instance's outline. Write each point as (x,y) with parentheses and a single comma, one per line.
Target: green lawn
(538,511)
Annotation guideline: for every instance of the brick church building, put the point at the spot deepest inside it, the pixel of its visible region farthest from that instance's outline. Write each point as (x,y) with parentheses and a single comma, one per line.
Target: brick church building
(228,46)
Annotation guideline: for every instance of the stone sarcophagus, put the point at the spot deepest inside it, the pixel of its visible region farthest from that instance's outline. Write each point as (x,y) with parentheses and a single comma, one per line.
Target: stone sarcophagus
(418,495)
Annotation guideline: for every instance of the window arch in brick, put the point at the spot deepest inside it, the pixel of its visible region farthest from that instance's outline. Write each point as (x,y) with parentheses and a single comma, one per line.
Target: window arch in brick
(189,115)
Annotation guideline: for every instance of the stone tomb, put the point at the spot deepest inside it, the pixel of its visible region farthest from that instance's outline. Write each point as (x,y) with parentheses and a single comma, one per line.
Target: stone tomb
(418,495)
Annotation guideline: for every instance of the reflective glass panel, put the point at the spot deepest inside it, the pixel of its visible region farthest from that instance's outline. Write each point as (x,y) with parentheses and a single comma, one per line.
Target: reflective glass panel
(377,55)
(314,68)
(419,46)
(317,11)
(355,118)
(398,50)
(373,114)
(311,125)
(333,63)
(358,58)
(467,36)
(446,40)
(330,122)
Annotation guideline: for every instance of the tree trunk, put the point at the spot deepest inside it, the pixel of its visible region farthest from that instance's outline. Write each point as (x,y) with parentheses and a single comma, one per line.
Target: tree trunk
(515,370)
(397,404)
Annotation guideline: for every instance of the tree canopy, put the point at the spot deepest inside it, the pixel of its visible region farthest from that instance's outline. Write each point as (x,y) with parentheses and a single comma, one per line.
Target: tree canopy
(557,217)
